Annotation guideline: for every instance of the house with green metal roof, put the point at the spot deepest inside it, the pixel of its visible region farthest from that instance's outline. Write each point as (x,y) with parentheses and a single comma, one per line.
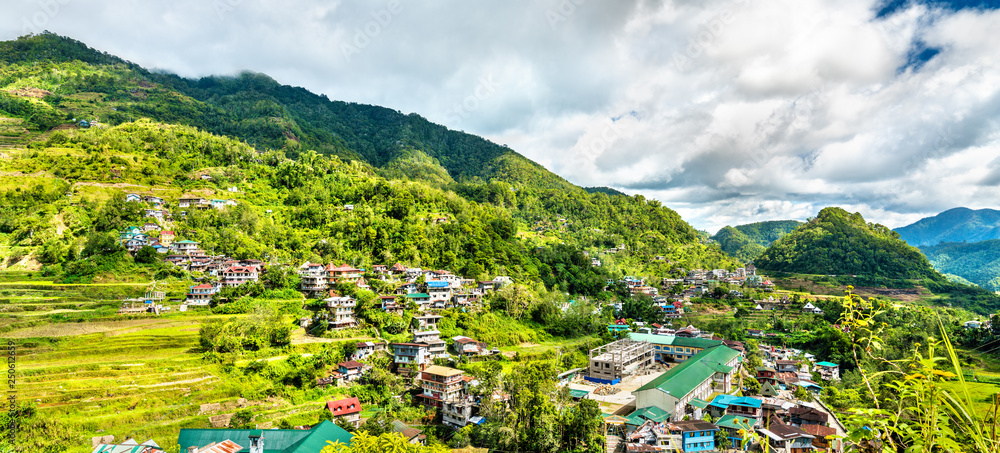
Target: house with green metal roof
(670,348)
(737,430)
(711,370)
(269,440)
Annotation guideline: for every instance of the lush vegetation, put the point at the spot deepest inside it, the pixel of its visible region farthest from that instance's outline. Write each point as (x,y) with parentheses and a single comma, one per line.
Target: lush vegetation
(953,225)
(747,242)
(837,242)
(976,262)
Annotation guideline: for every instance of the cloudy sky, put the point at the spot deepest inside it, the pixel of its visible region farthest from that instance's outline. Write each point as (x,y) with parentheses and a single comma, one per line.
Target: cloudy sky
(729,111)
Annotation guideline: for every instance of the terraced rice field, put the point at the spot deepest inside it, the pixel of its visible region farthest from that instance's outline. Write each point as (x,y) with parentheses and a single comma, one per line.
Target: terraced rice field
(90,372)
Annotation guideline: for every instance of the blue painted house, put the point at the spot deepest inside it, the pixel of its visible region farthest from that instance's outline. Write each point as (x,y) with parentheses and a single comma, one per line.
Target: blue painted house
(697,435)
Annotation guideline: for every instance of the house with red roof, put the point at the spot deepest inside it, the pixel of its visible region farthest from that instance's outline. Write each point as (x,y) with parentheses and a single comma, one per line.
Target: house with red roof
(201,294)
(347,409)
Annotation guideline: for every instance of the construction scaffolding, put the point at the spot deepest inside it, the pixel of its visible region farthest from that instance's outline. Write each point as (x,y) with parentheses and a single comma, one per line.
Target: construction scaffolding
(613,361)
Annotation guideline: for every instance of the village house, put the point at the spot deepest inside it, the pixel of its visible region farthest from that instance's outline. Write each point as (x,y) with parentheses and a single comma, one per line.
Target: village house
(439,291)
(440,384)
(347,409)
(167,238)
(801,416)
(342,273)
(351,370)
(237,275)
(312,277)
(410,358)
(184,247)
(341,310)
(201,294)
(822,437)
(366,349)
(465,346)
(436,347)
(133,198)
(828,371)
(789,366)
(390,305)
(422,300)
(784,438)
(697,435)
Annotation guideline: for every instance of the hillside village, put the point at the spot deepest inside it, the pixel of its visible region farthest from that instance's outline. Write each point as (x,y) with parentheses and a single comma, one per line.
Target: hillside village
(664,388)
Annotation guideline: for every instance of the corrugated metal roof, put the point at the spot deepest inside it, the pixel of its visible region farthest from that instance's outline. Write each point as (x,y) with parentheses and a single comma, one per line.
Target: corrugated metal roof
(684,378)
(275,440)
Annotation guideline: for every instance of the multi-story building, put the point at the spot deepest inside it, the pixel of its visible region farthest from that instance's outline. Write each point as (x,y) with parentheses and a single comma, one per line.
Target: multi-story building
(440,384)
(410,358)
(828,371)
(201,294)
(439,291)
(710,371)
(342,272)
(435,345)
(238,275)
(184,247)
(674,348)
(341,312)
(613,361)
(313,277)
(697,435)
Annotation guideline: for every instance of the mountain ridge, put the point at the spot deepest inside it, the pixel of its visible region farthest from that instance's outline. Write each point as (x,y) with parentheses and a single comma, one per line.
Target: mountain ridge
(954,225)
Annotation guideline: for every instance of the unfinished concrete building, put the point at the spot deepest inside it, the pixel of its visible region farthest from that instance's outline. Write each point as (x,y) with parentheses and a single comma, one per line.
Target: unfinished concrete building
(613,361)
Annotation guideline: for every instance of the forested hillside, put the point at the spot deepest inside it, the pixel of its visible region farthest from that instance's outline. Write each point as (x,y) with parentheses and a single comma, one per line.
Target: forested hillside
(417,192)
(977,262)
(838,242)
(258,110)
(747,242)
(953,225)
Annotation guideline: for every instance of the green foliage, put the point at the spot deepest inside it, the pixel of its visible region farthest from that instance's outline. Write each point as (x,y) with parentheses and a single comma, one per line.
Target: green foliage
(747,242)
(837,242)
(263,329)
(977,262)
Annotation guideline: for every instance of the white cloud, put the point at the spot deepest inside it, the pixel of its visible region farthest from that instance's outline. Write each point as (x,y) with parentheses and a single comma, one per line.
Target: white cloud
(731,111)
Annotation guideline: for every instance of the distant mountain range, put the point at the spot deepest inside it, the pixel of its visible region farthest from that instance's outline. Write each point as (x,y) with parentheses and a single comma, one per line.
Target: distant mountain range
(953,225)
(747,242)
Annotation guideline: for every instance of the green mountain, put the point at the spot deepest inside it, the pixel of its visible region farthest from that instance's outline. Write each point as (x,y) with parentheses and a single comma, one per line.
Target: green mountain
(977,262)
(419,193)
(953,225)
(256,109)
(838,242)
(747,242)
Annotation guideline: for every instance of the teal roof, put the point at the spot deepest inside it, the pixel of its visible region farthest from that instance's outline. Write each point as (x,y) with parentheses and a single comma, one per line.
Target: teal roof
(827,364)
(185,242)
(736,422)
(725,401)
(698,402)
(648,413)
(418,295)
(578,393)
(670,340)
(275,440)
(688,375)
